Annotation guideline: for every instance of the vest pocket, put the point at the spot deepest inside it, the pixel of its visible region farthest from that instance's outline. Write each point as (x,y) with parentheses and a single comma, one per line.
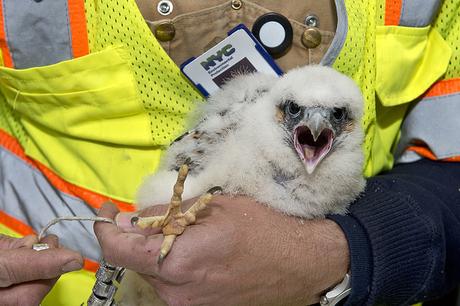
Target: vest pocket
(84,120)
(409,61)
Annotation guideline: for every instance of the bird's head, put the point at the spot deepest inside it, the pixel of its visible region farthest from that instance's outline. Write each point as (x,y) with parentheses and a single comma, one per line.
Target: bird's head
(313,131)
(319,110)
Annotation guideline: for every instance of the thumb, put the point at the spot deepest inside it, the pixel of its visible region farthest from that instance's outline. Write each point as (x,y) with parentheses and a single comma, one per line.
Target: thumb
(125,222)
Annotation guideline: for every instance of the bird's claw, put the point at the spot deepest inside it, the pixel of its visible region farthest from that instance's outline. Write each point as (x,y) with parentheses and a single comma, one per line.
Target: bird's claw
(214,190)
(174,222)
(134,220)
(161,257)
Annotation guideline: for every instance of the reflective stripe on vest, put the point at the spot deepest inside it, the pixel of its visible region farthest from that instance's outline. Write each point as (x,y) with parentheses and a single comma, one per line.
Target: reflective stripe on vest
(411,13)
(35,197)
(27,196)
(59,32)
(431,127)
(418,13)
(340,34)
(91,198)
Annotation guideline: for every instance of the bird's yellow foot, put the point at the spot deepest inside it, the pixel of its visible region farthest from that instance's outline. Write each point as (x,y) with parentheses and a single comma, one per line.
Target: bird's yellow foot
(174,222)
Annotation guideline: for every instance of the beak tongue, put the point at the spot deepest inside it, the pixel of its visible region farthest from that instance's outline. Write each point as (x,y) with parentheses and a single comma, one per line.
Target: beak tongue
(311,166)
(310,161)
(313,142)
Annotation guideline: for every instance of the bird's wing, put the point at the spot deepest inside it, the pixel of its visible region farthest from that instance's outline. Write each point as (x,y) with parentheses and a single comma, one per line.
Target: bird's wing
(216,119)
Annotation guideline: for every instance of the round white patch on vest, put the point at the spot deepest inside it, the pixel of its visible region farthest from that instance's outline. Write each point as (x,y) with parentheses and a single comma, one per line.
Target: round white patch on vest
(272,34)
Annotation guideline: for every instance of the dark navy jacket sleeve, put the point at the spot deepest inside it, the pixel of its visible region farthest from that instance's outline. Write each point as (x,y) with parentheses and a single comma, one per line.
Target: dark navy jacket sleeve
(404,235)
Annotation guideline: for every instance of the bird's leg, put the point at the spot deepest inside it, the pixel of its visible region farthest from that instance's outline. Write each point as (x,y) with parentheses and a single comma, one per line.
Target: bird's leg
(174,222)
(144,222)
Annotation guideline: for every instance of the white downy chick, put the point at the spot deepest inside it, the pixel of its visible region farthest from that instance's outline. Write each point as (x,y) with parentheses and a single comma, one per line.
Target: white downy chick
(290,142)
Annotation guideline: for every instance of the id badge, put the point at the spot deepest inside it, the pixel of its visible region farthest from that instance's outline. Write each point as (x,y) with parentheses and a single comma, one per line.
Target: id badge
(239,53)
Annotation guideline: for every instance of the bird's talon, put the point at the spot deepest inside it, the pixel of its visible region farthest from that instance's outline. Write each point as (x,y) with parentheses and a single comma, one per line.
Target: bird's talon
(175,222)
(215,190)
(134,221)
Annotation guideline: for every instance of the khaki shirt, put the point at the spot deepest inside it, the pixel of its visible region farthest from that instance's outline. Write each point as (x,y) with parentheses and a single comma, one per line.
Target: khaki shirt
(198,25)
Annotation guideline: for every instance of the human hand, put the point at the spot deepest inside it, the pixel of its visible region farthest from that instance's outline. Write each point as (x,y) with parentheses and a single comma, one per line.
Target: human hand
(26,275)
(238,253)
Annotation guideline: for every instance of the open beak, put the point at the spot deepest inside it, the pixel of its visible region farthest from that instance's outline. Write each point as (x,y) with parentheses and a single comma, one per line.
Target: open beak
(313,140)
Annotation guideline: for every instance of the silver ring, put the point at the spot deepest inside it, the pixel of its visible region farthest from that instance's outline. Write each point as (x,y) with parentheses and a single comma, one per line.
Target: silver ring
(40,246)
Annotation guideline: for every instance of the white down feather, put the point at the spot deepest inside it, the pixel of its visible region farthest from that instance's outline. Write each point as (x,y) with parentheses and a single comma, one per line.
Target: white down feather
(245,158)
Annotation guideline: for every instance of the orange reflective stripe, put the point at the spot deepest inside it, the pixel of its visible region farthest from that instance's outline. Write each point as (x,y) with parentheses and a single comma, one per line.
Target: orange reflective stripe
(78,27)
(440,88)
(427,153)
(90,265)
(392,12)
(7,59)
(90,197)
(422,151)
(454,159)
(16,225)
(444,87)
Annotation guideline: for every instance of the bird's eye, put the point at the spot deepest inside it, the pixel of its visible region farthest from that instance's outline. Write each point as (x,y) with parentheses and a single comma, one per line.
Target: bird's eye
(292,109)
(339,113)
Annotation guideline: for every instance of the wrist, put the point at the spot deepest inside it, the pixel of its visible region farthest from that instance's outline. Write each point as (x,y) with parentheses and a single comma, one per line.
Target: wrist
(327,257)
(359,256)
(333,246)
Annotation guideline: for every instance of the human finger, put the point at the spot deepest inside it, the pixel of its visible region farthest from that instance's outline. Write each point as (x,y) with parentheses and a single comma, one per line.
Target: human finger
(23,265)
(30,293)
(51,240)
(131,250)
(7,242)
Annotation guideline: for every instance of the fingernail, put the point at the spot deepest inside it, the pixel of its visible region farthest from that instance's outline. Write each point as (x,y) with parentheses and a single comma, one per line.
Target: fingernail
(73,265)
(124,220)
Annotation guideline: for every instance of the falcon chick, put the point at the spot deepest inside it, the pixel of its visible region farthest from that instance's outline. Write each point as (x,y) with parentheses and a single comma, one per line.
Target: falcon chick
(291,142)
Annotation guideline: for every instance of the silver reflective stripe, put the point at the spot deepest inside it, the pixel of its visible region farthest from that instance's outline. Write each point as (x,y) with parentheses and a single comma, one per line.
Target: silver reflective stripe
(340,35)
(26,195)
(408,157)
(418,13)
(38,32)
(435,122)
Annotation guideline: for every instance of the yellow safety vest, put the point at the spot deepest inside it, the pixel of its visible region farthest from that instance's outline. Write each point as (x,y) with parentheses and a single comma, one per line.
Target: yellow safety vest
(89,100)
